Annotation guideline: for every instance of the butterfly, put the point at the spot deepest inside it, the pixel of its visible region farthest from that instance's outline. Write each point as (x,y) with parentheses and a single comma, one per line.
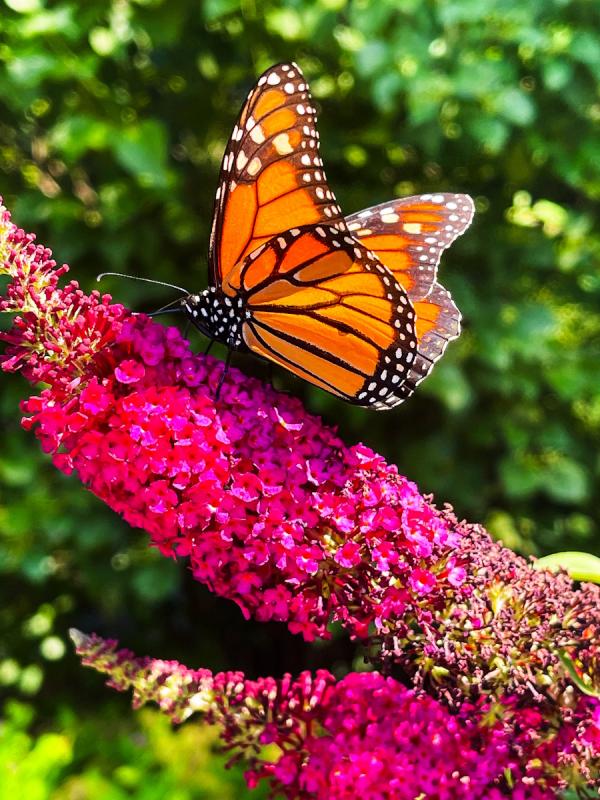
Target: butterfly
(350,304)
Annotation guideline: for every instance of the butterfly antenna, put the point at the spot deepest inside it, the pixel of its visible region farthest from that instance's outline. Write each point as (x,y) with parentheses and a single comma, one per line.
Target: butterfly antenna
(170,308)
(138,278)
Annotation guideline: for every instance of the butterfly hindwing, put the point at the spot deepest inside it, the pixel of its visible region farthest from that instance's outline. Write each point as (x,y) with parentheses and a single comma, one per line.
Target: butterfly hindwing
(409,235)
(437,323)
(272,176)
(323,306)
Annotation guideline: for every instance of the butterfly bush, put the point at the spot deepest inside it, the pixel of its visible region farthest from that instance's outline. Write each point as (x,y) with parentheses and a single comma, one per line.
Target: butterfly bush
(276,513)
(364,736)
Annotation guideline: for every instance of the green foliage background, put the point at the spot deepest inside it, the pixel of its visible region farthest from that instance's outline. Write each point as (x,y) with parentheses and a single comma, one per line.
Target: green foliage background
(113,120)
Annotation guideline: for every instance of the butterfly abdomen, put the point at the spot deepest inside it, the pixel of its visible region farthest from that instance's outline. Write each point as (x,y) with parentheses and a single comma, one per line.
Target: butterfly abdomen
(217,316)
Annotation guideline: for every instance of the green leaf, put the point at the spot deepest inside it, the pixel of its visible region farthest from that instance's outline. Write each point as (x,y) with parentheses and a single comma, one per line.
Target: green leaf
(580,566)
(568,664)
(76,134)
(516,107)
(142,149)
(490,132)
(565,480)
(24,6)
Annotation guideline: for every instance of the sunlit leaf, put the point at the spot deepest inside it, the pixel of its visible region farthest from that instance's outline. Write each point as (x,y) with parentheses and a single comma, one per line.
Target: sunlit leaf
(580,566)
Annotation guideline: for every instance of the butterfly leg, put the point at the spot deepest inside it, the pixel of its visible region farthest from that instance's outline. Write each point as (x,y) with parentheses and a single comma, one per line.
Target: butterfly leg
(223,373)
(208,347)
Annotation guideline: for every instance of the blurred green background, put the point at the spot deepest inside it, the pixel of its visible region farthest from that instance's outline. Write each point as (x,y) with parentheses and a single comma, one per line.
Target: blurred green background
(113,120)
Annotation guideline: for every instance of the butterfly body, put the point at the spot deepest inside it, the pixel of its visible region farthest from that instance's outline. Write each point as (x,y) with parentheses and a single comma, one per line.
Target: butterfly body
(351,305)
(217,316)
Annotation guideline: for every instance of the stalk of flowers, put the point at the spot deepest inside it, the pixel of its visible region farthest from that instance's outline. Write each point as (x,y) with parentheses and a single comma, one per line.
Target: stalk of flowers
(365,736)
(276,513)
(270,506)
(517,630)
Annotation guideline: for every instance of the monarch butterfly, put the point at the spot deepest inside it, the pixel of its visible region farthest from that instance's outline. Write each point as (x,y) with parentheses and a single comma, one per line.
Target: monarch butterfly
(350,304)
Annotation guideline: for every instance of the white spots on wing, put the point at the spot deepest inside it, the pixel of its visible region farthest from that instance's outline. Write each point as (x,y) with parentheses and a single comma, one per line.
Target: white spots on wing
(282,144)
(288,88)
(254,166)
(437,198)
(241,160)
(357,253)
(353,226)
(295,231)
(300,109)
(273,79)
(250,123)
(320,232)
(412,227)
(305,160)
(389,217)
(451,206)
(257,134)
(320,193)
(281,242)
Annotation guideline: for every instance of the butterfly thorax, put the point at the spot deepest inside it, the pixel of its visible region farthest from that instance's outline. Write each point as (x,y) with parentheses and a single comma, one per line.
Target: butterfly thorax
(217,316)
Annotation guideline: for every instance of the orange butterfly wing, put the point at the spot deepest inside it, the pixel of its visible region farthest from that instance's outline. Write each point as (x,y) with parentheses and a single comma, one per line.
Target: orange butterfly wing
(438,322)
(320,304)
(410,235)
(272,176)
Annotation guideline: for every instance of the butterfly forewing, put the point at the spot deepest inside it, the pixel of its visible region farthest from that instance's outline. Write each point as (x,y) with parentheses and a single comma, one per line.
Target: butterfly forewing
(272,177)
(410,235)
(323,306)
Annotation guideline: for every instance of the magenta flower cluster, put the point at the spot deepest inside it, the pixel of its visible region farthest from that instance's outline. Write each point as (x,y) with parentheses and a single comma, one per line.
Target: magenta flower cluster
(270,506)
(275,512)
(365,736)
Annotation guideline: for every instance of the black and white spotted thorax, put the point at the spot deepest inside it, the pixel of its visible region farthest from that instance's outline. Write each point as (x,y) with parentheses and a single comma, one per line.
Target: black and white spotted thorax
(217,316)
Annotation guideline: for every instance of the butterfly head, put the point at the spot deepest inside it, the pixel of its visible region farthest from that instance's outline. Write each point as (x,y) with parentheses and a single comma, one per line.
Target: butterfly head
(216,315)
